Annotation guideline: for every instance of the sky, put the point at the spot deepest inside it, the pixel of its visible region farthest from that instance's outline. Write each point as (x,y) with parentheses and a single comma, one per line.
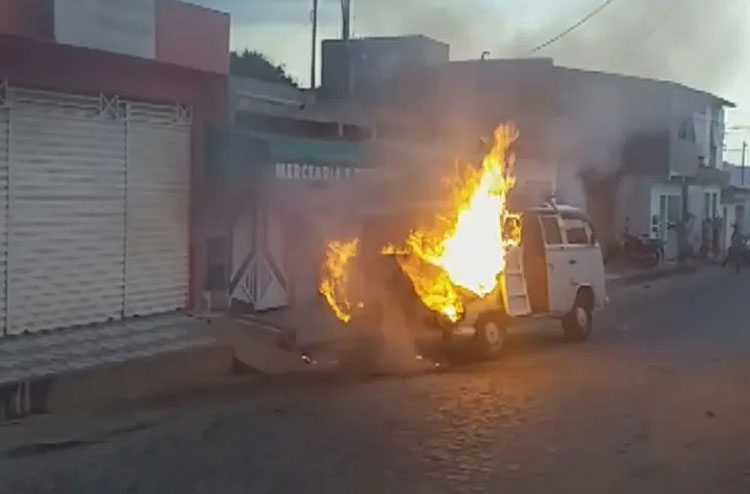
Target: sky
(701,43)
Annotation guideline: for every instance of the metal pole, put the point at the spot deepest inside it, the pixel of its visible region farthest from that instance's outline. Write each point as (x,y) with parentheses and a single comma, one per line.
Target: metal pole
(313,65)
(346,13)
(346,18)
(742,172)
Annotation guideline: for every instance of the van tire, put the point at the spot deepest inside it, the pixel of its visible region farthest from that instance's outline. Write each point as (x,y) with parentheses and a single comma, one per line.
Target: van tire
(491,335)
(577,325)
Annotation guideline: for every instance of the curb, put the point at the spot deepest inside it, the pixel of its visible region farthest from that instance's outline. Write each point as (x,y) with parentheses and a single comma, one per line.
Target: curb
(642,277)
(114,384)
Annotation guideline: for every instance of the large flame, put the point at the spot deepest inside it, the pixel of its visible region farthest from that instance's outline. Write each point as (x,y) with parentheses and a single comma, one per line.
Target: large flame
(465,249)
(334,279)
(463,253)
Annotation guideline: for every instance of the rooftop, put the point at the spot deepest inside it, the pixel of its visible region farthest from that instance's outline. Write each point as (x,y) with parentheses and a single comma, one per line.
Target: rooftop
(548,63)
(405,37)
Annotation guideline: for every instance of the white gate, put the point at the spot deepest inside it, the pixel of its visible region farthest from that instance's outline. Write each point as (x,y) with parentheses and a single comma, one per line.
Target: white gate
(67,203)
(157,218)
(258,273)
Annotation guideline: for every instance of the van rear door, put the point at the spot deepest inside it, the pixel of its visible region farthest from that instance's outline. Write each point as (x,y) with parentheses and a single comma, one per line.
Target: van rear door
(578,245)
(587,267)
(560,264)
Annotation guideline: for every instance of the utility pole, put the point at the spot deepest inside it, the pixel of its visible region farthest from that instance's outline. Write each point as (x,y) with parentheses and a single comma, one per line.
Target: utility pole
(346,34)
(742,171)
(313,64)
(346,13)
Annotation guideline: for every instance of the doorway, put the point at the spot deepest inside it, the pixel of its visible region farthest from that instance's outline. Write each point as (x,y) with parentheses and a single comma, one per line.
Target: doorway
(739,217)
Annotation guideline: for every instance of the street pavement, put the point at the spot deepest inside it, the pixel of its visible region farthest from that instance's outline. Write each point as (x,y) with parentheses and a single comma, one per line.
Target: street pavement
(657,401)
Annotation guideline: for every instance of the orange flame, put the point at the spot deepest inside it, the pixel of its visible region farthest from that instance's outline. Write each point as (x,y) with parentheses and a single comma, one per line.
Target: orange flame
(334,279)
(465,249)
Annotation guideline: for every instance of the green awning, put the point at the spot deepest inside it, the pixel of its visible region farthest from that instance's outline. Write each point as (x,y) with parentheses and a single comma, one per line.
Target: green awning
(314,151)
(234,154)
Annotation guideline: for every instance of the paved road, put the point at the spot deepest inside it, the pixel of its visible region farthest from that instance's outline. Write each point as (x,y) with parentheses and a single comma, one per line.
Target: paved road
(658,401)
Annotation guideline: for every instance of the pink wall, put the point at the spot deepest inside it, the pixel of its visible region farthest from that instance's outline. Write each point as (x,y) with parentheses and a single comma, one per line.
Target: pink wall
(27,18)
(186,35)
(192,36)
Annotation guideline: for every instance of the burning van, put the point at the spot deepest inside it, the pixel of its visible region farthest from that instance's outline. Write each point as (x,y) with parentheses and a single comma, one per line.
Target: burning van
(556,271)
(469,265)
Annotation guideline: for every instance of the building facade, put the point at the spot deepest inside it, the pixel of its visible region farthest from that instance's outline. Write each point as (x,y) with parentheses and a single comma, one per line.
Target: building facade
(286,178)
(102,121)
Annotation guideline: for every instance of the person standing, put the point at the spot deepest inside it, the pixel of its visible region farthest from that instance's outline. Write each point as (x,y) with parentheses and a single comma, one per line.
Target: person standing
(736,249)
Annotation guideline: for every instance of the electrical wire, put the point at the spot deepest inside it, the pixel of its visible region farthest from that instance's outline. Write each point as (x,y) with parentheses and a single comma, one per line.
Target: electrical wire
(572,28)
(628,50)
(664,18)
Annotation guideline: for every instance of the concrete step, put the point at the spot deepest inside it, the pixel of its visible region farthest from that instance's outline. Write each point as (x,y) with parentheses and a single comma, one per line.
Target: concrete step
(107,363)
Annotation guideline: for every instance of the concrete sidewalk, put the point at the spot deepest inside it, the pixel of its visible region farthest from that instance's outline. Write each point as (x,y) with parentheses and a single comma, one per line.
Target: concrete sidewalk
(107,363)
(634,276)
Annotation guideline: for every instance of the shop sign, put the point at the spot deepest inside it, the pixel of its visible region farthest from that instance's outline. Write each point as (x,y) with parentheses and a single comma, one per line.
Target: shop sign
(313,173)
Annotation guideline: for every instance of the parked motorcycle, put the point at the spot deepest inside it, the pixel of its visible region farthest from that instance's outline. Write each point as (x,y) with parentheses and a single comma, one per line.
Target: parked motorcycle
(642,250)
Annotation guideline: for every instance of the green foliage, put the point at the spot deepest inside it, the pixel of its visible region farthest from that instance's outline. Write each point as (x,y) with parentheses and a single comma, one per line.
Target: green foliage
(257,66)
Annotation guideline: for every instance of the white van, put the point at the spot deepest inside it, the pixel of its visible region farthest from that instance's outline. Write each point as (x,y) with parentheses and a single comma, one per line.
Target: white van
(556,272)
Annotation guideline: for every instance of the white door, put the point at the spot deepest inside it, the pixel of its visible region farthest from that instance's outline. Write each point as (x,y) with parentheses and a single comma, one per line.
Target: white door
(559,264)
(258,269)
(674,216)
(273,287)
(577,243)
(584,259)
(158,211)
(4,148)
(66,210)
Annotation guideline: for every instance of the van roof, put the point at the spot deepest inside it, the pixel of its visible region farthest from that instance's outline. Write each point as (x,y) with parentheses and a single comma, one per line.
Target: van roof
(564,210)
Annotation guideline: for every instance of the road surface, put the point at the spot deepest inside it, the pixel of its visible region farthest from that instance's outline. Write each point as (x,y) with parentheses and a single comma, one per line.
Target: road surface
(657,401)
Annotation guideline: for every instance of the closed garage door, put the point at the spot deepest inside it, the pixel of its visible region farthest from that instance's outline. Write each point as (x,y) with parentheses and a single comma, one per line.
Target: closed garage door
(157,210)
(67,205)
(95,196)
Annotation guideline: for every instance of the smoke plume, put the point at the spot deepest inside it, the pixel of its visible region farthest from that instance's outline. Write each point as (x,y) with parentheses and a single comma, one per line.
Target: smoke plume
(693,42)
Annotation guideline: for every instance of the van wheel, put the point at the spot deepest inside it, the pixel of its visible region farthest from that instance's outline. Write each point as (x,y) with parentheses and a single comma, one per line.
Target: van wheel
(577,325)
(491,335)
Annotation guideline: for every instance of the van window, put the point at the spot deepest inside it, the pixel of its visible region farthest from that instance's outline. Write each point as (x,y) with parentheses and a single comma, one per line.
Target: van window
(552,234)
(576,231)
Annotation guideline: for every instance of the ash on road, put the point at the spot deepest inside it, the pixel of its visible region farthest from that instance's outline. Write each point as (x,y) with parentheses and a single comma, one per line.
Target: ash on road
(657,401)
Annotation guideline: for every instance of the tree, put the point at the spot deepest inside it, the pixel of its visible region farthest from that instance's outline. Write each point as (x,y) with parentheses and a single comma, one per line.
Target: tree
(257,66)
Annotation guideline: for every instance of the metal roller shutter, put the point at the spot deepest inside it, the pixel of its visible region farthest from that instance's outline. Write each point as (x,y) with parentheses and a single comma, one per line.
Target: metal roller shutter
(67,206)
(157,218)
(4,159)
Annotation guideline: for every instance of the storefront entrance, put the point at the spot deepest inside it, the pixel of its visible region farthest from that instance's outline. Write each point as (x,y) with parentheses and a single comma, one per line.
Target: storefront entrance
(294,197)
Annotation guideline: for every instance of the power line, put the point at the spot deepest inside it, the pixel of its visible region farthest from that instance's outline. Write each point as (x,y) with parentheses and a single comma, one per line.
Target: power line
(664,18)
(628,50)
(572,28)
